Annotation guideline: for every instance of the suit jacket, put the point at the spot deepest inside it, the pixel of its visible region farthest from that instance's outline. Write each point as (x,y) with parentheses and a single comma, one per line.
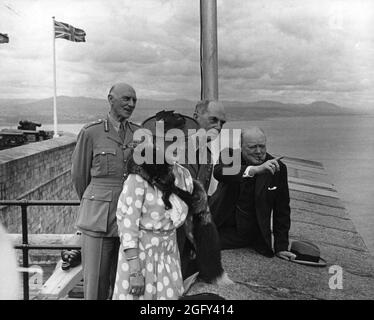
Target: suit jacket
(201,171)
(98,172)
(271,196)
(186,242)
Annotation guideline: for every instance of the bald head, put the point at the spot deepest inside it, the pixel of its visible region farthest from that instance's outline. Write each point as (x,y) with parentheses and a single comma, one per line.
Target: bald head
(122,100)
(252,133)
(217,108)
(253,143)
(120,87)
(210,115)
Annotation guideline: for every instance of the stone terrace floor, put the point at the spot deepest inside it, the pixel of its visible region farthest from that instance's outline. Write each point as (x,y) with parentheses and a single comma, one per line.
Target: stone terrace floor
(319,216)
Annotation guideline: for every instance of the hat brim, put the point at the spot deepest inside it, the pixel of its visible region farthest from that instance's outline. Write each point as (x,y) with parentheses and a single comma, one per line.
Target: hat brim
(322,262)
(190,123)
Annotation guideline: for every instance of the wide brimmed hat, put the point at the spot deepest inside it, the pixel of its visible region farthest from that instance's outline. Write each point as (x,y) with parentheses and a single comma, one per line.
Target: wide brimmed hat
(307,253)
(171,120)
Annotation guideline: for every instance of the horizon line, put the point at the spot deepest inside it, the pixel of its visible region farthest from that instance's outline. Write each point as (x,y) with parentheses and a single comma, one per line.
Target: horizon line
(186,99)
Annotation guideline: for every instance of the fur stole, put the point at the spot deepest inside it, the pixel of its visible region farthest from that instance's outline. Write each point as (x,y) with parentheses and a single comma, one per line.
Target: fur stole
(204,231)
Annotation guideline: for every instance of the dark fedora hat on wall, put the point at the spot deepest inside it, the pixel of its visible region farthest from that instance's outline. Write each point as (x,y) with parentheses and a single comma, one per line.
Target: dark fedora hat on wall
(171,120)
(307,253)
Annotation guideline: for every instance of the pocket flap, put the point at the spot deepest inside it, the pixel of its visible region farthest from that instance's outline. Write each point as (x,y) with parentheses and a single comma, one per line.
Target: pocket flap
(104,151)
(98,194)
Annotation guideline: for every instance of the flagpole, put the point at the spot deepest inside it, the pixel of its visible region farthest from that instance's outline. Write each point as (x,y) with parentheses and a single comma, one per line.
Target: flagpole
(55,135)
(208,50)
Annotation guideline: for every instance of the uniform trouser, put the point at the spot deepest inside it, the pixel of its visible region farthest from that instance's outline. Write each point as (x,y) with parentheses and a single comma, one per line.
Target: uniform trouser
(99,261)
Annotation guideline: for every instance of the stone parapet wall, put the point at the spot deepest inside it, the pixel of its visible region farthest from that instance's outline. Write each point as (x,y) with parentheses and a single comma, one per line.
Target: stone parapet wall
(38,171)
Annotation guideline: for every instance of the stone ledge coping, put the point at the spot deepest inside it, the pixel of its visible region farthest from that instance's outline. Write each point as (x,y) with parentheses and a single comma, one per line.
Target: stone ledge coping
(33,148)
(259,278)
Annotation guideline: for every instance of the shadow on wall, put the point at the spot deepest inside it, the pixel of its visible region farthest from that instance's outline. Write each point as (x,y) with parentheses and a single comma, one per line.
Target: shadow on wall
(38,171)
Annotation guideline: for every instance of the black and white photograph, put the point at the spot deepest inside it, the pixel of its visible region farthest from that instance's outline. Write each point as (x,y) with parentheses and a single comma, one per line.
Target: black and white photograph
(186,150)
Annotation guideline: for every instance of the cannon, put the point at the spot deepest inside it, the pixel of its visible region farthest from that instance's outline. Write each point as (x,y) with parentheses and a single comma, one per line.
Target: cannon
(28,125)
(25,133)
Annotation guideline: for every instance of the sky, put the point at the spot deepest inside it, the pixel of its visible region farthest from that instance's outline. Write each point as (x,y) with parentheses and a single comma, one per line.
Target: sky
(284,50)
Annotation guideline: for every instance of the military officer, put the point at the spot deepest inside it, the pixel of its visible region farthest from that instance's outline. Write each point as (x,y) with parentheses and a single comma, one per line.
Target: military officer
(98,173)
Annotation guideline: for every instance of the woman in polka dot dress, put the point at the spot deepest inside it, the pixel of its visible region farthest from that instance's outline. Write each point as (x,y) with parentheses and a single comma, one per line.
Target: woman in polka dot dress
(148,261)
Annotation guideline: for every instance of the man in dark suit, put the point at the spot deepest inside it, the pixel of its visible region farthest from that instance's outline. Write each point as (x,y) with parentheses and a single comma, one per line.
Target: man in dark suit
(210,116)
(243,203)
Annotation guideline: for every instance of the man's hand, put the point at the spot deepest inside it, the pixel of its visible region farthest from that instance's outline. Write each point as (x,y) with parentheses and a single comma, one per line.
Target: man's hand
(286,255)
(271,166)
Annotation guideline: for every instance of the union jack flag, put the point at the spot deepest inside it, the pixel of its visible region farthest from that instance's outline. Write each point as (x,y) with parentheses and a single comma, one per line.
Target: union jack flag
(68,32)
(4,38)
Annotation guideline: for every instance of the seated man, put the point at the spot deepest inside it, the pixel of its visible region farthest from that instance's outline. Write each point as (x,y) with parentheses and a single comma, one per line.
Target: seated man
(243,202)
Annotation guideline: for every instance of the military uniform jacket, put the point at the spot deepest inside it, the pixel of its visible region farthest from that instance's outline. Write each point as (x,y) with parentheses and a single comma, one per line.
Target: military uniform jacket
(98,172)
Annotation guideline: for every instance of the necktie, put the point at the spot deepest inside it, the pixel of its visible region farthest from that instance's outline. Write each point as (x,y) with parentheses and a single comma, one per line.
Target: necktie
(121,132)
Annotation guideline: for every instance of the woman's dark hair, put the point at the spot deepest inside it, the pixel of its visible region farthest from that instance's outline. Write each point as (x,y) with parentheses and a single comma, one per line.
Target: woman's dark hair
(162,176)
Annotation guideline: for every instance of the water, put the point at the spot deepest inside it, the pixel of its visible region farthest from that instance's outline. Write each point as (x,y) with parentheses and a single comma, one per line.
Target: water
(345,146)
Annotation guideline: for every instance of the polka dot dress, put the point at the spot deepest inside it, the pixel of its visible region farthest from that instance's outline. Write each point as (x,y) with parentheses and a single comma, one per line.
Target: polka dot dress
(144,223)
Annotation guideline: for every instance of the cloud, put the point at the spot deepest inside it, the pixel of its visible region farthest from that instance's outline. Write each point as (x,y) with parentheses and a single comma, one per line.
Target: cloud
(270,49)
(284,48)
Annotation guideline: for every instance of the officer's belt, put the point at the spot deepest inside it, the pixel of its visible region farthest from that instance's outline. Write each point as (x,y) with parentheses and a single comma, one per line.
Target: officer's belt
(108,181)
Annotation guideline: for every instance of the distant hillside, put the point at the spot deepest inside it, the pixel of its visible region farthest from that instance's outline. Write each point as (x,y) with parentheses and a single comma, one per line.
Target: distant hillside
(82,109)
(79,109)
(263,109)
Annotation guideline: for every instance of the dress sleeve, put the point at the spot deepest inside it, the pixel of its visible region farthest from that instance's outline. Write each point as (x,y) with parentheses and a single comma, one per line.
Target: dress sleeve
(128,213)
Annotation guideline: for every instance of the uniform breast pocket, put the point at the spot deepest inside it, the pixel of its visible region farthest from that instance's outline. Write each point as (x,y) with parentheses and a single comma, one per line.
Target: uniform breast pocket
(103,158)
(94,210)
